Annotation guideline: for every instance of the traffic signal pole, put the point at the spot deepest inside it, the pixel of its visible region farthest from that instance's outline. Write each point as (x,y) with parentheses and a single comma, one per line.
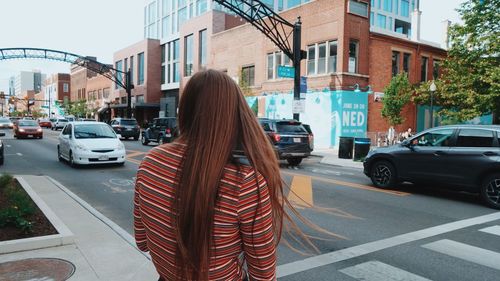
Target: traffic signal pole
(128,89)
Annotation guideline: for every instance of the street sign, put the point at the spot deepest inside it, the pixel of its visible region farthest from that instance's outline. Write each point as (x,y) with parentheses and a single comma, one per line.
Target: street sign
(286,71)
(45,106)
(299,106)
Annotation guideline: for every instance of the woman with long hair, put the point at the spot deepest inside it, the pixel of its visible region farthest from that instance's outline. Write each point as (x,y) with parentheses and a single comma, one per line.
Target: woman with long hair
(199,212)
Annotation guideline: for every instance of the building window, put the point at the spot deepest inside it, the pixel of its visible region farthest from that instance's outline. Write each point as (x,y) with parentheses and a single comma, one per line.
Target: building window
(105,93)
(353,56)
(395,63)
(396,7)
(163,74)
(406,63)
(248,75)
(423,69)
(162,53)
(358,8)
(119,78)
(387,5)
(140,64)
(277,62)
(372,19)
(201,6)
(270,66)
(402,27)
(139,99)
(99,94)
(132,70)
(332,57)
(435,69)
(203,49)
(188,55)
(175,56)
(165,7)
(66,87)
(322,58)
(405,8)
(381,21)
(311,60)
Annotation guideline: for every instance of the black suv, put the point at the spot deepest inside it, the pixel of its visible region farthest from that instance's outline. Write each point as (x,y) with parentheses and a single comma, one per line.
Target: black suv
(161,130)
(464,157)
(126,127)
(290,139)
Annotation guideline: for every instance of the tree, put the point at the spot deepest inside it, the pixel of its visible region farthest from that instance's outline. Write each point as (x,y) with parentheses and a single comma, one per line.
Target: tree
(396,95)
(470,84)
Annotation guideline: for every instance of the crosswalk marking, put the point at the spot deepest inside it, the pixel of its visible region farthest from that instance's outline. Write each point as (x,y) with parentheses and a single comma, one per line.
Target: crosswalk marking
(379,271)
(495,230)
(466,252)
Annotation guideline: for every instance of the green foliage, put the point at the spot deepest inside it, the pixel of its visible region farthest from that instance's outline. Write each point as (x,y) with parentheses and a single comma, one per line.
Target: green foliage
(5,180)
(77,108)
(18,206)
(470,84)
(396,95)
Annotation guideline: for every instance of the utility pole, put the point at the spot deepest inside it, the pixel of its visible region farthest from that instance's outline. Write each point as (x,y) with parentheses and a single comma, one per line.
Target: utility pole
(297,57)
(128,89)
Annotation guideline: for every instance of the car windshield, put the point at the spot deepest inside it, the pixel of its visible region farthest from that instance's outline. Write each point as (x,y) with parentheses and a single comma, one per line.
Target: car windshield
(128,122)
(290,127)
(94,131)
(4,120)
(27,123)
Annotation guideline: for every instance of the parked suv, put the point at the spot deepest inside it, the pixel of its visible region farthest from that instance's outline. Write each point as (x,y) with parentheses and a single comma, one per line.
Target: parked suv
(290,139)
(161,130)
(59,123)
(126,127)
(463,157)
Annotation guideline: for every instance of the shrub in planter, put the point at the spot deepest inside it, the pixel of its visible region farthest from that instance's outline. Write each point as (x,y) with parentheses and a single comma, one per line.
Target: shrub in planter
(17,205)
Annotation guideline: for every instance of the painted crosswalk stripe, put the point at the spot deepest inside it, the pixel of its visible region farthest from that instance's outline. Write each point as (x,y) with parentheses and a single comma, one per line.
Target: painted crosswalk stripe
(466,252)
(495,230)
(379,271)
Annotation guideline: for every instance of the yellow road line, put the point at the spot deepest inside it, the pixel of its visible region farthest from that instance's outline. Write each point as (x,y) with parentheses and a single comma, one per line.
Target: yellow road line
(301,193)
(134,161)
(350,184)
(136,153)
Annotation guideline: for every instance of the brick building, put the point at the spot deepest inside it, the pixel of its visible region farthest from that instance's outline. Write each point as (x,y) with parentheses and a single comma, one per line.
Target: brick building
(99,97)
(143,59)
(56,89)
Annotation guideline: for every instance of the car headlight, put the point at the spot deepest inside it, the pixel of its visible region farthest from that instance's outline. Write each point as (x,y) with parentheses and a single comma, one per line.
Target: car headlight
(21,130)
(39,130)
(120,146)
(81,147)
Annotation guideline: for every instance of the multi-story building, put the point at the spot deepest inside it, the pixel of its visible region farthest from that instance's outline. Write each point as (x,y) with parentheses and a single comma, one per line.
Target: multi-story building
(28,81)
(12,86)
(99,97)
(143,60)
(56,91)
(354,47)
(79,76)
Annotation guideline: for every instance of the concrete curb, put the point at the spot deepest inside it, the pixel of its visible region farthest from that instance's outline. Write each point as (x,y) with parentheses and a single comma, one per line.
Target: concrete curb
(116,228)
(64,236)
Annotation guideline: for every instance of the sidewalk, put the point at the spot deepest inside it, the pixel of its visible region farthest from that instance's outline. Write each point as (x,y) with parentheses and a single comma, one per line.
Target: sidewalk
(330,157)
(101,250)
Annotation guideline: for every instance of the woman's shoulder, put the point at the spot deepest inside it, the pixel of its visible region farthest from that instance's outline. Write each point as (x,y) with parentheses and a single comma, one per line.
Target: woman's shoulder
(170,152)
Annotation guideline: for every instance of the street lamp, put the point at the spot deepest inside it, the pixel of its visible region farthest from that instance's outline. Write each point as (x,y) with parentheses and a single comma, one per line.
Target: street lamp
(432,88)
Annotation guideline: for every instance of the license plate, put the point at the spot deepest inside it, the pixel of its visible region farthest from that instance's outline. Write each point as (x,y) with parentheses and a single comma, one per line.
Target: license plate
(104,157)
(168,135)
(30,136)
(129,129)
(296,139)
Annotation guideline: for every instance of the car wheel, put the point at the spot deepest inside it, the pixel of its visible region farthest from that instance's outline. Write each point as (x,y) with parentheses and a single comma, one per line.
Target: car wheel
(121,164)
(59,157)
(294,161)
(490,191)
(383,174)
(136,138)
(144,140)
(71,160)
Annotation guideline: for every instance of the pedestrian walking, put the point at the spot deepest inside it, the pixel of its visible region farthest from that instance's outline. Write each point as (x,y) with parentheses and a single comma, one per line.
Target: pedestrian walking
(201,213)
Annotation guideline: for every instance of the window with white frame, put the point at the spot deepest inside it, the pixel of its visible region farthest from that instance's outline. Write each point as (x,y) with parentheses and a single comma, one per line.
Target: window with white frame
(353,56)
(322,58)
(273,61)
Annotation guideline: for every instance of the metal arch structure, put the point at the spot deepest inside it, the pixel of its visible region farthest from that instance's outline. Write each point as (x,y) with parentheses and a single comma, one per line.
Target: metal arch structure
(274,27)
(121,78)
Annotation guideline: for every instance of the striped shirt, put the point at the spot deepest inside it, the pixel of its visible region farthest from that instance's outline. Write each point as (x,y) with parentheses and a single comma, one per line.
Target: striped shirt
(242,227)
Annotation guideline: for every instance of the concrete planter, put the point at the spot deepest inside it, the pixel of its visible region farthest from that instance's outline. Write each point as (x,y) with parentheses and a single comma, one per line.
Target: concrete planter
(64,236)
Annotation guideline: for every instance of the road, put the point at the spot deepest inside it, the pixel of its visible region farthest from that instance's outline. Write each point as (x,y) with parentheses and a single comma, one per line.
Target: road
(414,233)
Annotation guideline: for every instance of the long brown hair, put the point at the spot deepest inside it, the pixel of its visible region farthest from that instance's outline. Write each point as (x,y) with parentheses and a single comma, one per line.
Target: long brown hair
(214,119)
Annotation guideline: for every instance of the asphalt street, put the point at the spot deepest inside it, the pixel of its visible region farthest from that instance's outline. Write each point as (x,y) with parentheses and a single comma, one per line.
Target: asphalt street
(413,233)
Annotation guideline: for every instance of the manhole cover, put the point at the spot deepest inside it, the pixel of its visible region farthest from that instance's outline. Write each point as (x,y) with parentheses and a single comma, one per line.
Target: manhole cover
(39,269)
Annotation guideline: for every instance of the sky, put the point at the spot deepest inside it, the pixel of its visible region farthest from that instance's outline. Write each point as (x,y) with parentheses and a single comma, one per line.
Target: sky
(101,27)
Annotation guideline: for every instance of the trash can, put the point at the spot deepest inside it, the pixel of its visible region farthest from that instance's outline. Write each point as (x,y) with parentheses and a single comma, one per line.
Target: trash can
(361,148)
(345,147)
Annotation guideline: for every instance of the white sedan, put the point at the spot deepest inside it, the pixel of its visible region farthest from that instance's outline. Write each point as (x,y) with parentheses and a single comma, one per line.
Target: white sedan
(90,143)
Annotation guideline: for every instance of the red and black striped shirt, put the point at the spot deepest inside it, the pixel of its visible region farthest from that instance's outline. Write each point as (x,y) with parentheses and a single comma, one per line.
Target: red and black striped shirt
(237,233)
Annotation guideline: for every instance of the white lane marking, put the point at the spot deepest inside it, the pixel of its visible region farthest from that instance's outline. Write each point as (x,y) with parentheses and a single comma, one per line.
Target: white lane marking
(19,154)
(379,271)
(8,145)
(363,249)
(466,252)
(495,230)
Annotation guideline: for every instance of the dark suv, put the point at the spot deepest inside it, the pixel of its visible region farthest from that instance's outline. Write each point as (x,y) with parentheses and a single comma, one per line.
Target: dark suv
(161,130)
(290,139)
(126,127)
(464,157)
